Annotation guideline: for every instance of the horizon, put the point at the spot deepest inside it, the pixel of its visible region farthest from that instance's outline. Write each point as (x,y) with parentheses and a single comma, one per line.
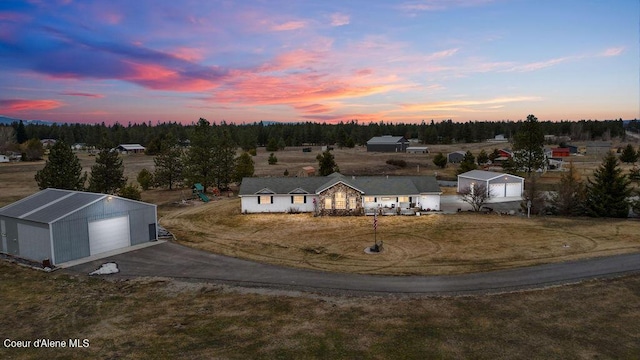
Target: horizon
(406,62)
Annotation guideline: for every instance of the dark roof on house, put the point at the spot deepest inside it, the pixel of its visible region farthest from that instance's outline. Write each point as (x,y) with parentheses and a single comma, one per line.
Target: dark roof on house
(387,139)
(49,205)
(373,185)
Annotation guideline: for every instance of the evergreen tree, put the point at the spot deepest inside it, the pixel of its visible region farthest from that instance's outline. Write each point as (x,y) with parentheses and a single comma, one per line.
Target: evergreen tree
(629,154)
(244,167)
(483,157)
(21,133)
(494,155)
(327,163)
(607,193)
(145,179)
(272,145)
(272,159)
(130,191)
(62,170)
(224,158)
(468,163)
(169,167)
(440,160)
(569,198)
(528,146)
(198,160)
(107,174)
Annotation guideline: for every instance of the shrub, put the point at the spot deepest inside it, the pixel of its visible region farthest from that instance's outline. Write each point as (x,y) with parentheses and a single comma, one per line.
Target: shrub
(272,159)
(397,162)
(145,179)
(253,152)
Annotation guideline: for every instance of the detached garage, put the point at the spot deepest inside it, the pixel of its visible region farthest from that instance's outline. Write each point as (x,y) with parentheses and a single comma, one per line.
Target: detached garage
(64,225)
(498,185)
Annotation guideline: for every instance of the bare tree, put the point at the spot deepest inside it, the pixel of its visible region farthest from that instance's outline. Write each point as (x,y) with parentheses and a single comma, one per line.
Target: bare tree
(475,195)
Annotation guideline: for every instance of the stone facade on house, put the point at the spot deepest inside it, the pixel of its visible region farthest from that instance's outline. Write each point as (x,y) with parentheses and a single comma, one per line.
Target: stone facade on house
(340,200)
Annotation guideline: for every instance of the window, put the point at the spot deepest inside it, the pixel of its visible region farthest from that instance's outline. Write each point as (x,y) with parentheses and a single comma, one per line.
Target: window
(369,199)
(298,199)
(265,199)
(403,199)
(341,200)
(327,204)
(352,203)
(388,198)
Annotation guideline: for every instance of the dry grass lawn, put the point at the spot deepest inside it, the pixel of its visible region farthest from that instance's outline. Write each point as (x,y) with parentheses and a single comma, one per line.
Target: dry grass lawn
(432,244)
(165,319)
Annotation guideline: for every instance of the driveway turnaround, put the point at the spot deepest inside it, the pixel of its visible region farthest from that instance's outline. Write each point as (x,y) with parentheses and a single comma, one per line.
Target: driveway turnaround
(172,260)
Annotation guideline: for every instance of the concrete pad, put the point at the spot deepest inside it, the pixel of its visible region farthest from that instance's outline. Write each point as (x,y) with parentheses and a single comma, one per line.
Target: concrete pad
(107,254)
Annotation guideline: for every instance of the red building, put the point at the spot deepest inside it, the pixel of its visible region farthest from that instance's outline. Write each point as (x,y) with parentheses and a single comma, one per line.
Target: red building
(560,152)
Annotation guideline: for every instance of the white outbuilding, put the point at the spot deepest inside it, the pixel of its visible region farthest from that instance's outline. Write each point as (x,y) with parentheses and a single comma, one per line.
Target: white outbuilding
(58,226)
(498,185)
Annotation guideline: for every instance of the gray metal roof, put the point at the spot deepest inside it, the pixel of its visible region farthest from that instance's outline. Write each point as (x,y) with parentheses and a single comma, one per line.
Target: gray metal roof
(370,185)
(485,175)
(387,140)
(49,204)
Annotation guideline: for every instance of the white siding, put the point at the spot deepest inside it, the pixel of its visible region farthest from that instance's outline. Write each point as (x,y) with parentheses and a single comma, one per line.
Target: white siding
(34,242)
(431,202)
(281,204)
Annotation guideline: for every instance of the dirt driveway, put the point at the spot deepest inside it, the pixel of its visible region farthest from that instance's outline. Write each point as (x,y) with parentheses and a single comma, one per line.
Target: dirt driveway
(176,261)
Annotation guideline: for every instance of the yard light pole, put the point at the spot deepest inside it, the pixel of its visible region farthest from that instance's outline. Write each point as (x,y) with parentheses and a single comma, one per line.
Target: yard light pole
(528,209)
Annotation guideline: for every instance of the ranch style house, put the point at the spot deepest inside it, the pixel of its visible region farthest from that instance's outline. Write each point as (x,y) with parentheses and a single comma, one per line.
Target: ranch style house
(337,194)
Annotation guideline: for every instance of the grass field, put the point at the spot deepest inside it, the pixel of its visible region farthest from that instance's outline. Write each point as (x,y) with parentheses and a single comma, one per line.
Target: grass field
(431,244)
(163,318)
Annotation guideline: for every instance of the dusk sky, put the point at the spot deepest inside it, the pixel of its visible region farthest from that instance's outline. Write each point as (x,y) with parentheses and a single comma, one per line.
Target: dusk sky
(320,61)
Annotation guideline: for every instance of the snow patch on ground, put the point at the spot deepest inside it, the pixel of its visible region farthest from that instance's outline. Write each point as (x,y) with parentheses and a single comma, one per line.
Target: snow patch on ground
(106,269)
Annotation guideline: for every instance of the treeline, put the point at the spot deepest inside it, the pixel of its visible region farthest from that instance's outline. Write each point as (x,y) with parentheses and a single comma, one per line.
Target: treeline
(296,134)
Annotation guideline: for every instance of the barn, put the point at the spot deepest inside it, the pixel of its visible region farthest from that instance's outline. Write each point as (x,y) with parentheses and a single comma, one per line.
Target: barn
(57,226)
(387,143)
(498,185)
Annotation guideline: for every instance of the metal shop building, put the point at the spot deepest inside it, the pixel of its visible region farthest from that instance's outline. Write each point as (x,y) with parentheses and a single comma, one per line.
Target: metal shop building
(64,225)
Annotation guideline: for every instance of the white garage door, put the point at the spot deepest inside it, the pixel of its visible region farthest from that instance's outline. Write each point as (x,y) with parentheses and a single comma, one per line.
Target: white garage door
(497,190)
(514,189)
(109,234)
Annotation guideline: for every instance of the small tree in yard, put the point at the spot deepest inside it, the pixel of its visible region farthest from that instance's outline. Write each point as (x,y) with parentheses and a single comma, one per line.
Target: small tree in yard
(62,170)
(608,192)
(107,174)
(145,179)
(483,157)
(130,191)
(533,194)
(568,200)
(468,163)
(272,159)
(327,163)
(440,160)
(629,154)
(475,195)
(244,167)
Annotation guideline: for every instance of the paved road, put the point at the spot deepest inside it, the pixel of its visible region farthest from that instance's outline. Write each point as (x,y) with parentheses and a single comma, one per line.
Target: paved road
(176,261)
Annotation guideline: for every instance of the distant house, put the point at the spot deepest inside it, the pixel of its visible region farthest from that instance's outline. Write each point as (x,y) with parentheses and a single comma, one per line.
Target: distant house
(387,143)
(78,146)
(130,148)
(337,194)
(498,185)
(48,142)
(417,150)
(498,138)
(307,171)
(560,152)
(456,156)
(4,159)
(506,153)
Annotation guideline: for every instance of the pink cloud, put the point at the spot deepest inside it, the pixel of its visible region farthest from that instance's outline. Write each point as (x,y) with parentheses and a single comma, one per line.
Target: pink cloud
(158,77)
(15,105)
(293,59)
(339,19)
(112,18)
(466,105)
(97,96)
(613,51)
(313,108)
(188,54)
(438,5)
(288,26)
